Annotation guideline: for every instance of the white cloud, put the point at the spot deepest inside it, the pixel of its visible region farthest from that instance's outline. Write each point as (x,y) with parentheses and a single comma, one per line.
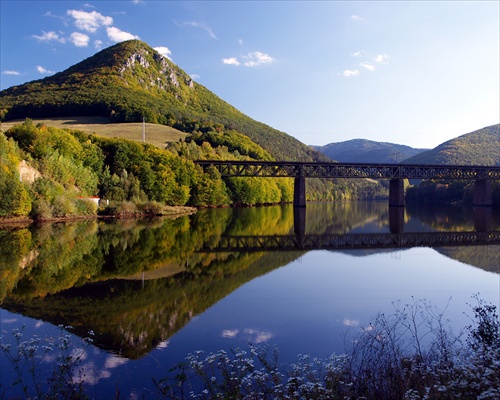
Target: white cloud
(202,26)
(117,35)
(368,66)
(80,39)
(42,70)
(257,336)
(10,320)
(89,21)
(10,72)
(357,54)
(350,72)
(231,61)
(113,361)
(51,15)
(164,51)
(258,58)
(49,37)
(350,322)
(195,76)
(357,18)
(230,333)
(88,373)
(381,58)
(163,345)
(97,44)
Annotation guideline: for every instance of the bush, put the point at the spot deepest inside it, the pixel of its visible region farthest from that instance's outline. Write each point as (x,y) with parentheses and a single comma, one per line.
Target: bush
(86,207)
(150,208)
(41,210)
(66,380)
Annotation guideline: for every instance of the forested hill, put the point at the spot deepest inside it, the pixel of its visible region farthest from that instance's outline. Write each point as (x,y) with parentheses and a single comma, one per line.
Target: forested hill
(481,147)
(362,150)
(130,80)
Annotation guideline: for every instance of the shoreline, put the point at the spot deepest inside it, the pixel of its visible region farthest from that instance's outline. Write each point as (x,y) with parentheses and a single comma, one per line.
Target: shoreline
(167,212)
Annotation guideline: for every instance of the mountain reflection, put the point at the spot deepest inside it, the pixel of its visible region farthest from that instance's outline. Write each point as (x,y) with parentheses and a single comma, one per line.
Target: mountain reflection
(137,282)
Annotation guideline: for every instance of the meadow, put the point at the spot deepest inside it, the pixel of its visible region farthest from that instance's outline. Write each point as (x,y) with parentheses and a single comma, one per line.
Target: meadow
(157,135)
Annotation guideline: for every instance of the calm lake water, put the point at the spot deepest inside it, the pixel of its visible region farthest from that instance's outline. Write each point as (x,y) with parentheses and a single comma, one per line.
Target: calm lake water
(155,291)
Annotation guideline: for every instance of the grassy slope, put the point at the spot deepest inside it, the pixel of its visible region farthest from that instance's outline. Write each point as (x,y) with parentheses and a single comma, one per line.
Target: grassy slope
(157,135)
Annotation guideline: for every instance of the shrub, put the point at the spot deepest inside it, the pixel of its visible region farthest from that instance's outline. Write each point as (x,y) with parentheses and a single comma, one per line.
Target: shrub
(66,380)
(150,208)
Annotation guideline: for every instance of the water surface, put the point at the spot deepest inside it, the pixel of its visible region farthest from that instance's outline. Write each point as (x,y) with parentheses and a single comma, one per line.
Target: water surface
(154,291)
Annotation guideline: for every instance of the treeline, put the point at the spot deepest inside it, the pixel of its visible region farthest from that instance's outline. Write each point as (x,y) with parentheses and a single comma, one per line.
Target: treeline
(443,191)
(74,165)
(140,178)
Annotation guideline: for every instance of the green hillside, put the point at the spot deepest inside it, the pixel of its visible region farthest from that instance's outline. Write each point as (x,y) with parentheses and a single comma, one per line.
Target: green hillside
(481,147)
(362,150)
(129,81)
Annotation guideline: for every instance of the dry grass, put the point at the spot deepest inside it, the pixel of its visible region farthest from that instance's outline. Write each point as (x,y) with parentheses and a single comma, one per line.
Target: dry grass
(157,135)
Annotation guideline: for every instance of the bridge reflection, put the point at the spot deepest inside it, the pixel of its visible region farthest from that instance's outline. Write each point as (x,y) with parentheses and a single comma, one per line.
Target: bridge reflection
(351,241)
(483,218)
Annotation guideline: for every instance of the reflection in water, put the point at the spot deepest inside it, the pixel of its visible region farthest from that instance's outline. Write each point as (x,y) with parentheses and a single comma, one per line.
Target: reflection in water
(136,283)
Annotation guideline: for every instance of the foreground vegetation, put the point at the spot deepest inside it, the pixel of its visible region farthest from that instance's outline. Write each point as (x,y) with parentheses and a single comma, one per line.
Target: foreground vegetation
(411,354)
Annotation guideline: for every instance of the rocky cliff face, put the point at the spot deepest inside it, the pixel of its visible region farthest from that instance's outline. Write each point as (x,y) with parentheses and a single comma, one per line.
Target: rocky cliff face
(152,70)
(27,173)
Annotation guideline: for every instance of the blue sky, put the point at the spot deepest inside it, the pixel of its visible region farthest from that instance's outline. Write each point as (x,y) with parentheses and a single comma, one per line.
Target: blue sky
(415,73)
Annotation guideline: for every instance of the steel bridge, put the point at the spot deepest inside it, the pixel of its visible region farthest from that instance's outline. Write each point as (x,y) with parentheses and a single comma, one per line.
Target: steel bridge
(482,175)
(351,241)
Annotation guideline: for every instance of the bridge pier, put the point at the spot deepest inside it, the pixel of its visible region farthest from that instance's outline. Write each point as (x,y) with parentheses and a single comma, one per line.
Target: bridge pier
(482,193)
(483,219)
(299,189)
(396,193)
(299,221)
(396,219)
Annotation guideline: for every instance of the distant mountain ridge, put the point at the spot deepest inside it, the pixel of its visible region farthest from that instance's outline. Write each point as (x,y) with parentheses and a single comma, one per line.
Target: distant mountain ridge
(131,80)
(363,150)
(481,147)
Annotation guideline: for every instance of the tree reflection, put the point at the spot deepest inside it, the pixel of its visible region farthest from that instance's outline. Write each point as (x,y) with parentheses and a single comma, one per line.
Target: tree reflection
(137,282)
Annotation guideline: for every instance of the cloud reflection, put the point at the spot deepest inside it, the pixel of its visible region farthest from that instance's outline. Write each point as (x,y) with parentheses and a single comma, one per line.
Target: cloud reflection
(230,333)
(350,322)
(113,361)
(163,345)
(248,334)
(90,374)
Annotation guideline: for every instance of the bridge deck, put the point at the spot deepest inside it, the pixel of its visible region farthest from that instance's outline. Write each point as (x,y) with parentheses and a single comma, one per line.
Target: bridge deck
(351,242)
(351,170)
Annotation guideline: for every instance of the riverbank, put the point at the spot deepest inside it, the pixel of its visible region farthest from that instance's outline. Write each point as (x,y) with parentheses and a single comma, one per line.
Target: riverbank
(166,211)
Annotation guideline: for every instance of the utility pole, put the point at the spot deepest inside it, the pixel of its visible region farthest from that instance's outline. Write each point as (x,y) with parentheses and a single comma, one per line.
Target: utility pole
(143,129)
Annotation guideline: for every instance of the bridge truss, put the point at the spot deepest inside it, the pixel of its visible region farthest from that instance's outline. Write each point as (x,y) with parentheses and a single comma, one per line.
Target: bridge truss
(351,170)
(351,242)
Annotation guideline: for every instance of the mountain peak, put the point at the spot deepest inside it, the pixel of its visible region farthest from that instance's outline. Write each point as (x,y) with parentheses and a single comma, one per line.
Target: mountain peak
(364,150)
(136,64)
(130,81)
